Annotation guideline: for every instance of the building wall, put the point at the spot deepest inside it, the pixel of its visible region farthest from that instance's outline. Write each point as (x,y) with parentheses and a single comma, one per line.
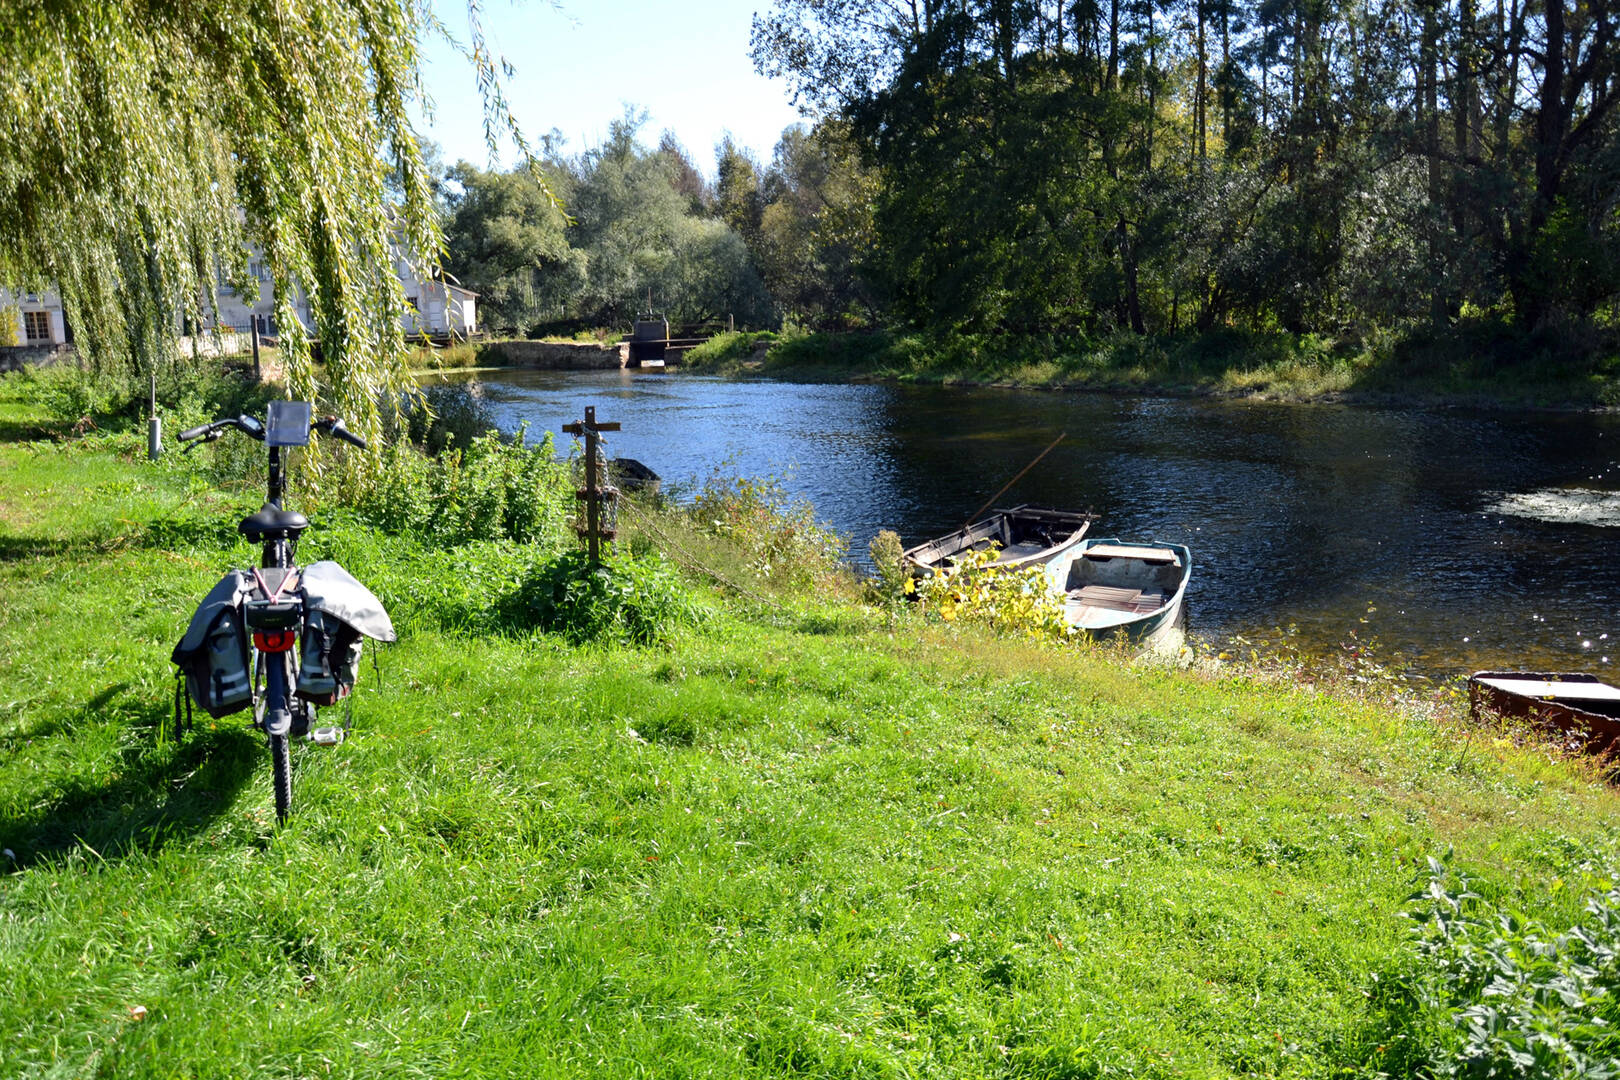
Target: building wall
(47,327)
(434,307)
(239,312)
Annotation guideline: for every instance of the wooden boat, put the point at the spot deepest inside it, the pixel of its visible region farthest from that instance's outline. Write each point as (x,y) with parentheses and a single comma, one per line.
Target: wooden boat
(1027,535)
(1112,587)
(1582,706)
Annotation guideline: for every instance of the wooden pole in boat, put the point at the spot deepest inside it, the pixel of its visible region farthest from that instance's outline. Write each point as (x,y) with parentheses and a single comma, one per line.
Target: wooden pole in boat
(1015,479)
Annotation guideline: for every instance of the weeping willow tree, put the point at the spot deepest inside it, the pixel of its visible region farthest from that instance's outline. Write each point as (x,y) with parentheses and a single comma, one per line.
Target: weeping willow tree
(145,143)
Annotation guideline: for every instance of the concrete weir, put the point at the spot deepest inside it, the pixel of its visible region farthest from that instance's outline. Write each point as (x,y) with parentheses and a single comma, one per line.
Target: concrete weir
(557,356)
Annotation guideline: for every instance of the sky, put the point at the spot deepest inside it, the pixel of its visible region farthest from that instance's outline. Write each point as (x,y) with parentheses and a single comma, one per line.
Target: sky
(580,63)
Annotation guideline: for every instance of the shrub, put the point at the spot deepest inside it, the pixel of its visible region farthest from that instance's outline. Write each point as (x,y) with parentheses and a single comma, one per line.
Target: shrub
(1009,601)
(888,559)
(495,489)
(624,600)
(445,417)
(778,536)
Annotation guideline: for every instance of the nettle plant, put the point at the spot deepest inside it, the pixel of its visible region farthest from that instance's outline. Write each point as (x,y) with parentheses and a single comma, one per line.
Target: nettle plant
(973,589)
(1519,1000)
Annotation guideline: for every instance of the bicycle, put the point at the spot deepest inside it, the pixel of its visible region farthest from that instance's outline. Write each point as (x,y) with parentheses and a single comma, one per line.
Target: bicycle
(271,599)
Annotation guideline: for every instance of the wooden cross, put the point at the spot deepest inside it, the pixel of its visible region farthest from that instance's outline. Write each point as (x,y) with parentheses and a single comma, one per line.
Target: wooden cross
(593,492)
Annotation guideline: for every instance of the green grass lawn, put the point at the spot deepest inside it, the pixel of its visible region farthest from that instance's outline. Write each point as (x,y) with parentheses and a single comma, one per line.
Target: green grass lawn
(801,840)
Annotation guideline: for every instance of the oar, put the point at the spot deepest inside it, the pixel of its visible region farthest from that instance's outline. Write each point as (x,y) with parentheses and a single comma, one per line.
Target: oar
(1015,479)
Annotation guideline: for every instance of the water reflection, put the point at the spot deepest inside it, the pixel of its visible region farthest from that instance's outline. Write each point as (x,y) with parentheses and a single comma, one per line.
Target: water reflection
(1492,527)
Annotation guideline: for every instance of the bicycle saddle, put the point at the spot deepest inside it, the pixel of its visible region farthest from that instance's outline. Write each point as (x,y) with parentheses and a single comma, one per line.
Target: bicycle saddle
(269,521)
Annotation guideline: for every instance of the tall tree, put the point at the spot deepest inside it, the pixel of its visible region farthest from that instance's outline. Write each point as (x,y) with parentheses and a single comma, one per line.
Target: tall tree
(143,143)
(507,239)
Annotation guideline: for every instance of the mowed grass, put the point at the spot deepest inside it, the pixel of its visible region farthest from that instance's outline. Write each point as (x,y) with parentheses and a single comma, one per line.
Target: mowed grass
(792,843)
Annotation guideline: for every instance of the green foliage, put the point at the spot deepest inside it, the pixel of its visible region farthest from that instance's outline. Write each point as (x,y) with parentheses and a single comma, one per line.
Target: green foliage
(635,222)
(1018,601)
(1516,998)
(728,350)
(445,417)
(1215,178)
(494,489)
(506,239)
(625,600)
(888,558)
(453,357)
(777,845)
(815,236)
(113,400)
(778,536)
(639,233)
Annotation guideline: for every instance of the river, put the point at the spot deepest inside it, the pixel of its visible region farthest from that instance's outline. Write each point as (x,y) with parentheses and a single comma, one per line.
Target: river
(1450,539)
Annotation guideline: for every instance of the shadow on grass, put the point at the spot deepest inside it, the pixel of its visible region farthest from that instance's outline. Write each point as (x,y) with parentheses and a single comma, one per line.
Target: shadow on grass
(18,548)
(159,793)
(215,532)
(21,431)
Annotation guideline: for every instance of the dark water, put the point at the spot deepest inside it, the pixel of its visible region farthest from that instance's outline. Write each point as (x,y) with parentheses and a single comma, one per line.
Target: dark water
(1464,539)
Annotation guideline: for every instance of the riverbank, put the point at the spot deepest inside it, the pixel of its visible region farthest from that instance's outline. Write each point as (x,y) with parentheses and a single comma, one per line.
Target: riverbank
(805,835)
(1473,365)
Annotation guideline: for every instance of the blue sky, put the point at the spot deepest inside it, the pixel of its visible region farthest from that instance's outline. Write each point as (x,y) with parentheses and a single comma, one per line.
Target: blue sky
(578,67)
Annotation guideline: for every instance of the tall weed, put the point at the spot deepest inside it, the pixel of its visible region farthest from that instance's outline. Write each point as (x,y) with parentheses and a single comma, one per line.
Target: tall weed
(973,589)
(778,536)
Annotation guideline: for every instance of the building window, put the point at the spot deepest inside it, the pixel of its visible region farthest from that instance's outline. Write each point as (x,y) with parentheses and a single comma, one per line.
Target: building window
(37,325)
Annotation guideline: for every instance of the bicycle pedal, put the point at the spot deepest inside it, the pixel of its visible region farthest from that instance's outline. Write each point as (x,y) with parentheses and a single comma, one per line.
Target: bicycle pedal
(326,736)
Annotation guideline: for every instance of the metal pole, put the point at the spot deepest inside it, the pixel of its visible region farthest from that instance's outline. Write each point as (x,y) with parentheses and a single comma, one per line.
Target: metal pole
(592,495)
(154,427)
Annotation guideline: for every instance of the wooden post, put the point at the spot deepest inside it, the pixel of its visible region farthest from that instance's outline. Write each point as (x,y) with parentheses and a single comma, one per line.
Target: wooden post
(253,325)
(593,509)
(594,490)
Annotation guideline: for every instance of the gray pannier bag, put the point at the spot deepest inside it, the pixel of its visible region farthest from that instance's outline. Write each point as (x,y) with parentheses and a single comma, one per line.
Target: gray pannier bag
(213,654)
(339,613)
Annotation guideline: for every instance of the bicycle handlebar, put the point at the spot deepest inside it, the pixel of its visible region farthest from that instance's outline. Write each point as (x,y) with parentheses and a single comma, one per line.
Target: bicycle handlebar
(334,427)
(251,427)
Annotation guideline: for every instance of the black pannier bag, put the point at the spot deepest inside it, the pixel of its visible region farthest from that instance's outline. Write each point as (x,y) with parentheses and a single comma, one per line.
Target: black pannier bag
(213,655)
(339,613)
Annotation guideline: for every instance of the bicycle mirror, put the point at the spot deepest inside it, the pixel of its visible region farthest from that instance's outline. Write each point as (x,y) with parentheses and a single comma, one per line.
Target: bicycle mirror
(289,424)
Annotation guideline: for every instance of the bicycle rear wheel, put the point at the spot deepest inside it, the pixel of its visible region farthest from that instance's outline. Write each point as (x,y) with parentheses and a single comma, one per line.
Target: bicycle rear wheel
(279,679)
(281,775)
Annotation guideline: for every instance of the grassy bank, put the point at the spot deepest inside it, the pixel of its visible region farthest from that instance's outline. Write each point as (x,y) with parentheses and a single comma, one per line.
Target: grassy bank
(803,837)
(1475,363)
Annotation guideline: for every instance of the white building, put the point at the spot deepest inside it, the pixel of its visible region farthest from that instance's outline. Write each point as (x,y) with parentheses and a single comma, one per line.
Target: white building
(242,313)
(435,307)
(36,316)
